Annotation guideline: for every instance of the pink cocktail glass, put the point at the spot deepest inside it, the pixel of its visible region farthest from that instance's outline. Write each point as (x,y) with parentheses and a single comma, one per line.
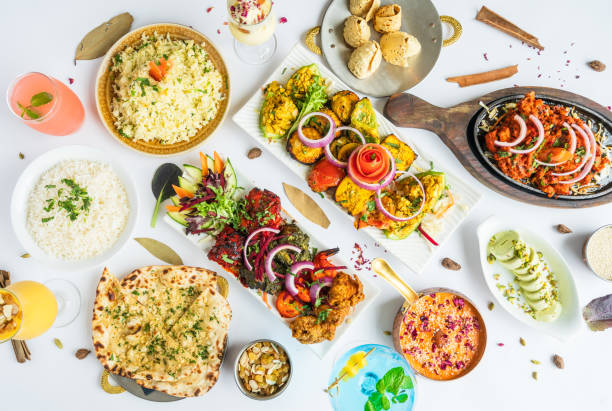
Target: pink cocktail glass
(63,115)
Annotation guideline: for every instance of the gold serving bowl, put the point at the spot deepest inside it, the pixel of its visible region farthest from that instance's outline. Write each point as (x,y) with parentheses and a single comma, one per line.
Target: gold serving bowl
(105,79)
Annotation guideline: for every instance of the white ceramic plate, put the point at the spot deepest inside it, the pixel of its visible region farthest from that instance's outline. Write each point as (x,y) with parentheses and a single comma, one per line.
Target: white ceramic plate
(28,180)
(205,242)
(570,320)
(413,251)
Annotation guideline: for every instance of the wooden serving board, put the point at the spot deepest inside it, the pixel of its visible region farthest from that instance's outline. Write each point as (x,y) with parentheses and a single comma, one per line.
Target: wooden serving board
(454,127)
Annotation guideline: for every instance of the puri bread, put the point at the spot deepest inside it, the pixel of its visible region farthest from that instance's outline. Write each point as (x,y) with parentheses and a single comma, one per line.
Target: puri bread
(365,59)
(364,8)
(398,47)
(388,18)
(356,31)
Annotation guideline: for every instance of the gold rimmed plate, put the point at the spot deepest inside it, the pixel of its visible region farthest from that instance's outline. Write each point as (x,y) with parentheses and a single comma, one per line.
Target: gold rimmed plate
(105,79)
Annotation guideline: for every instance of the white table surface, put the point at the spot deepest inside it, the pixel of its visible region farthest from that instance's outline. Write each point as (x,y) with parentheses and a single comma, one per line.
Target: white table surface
(41,36)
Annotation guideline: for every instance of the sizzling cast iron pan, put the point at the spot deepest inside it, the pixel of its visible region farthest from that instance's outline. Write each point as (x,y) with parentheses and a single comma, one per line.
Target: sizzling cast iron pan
(458,128)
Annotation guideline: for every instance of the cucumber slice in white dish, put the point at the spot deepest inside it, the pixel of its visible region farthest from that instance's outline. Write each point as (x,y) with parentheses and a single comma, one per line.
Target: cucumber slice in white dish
(570,320)
(187,185)
(231,182)
(192,173)
(178,217)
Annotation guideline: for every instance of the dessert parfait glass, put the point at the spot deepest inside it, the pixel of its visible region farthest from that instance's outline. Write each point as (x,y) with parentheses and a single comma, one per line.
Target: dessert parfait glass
(252,23)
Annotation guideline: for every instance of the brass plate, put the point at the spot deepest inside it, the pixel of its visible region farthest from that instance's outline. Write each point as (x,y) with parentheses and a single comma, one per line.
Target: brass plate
(104,91)
(419,18)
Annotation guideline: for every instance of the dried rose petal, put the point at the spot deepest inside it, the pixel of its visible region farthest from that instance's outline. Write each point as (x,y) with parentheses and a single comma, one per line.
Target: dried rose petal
(70,80)
(283,20)
(500,344)
(208,10)
(218,31)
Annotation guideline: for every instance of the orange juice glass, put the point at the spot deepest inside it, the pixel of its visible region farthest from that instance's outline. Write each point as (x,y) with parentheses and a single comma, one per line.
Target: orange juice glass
(63,115)
(37,309)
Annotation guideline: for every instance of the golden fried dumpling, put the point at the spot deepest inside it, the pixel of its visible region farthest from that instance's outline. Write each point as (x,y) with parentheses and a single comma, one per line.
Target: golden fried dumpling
(364,8)
(356,31)
(398,46)
(365,59)
(388,18)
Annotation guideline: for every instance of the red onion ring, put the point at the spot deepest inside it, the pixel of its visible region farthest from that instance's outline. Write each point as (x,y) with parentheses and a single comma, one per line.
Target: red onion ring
(540,128)
(248,240)
(572,148)
(587,155)
(325,140)
(384,182)
(521,137)
(315,289)
(589,164)
(328,154)
(295,271)
(391,216)
(269,271)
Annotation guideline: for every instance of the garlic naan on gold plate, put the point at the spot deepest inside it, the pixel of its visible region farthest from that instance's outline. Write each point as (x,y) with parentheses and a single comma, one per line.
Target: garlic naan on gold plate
(163,326)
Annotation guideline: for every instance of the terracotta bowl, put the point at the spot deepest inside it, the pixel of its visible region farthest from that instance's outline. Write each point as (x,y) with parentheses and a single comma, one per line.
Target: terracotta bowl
(105,79)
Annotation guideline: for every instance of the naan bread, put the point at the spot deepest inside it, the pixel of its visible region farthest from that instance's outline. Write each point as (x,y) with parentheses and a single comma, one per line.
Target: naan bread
(201,334)
(164,326)
(119,323)
(168,290)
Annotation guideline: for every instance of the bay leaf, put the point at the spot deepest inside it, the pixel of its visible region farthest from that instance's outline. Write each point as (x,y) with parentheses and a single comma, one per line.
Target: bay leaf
(306,205)
(97,42)
(160,250)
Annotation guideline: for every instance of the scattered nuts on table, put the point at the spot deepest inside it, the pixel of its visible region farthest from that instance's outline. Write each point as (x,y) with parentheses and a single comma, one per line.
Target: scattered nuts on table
(254,153)
(597,65)
(563,229)
(558,361)
(263,368)
(82,353)
(450,264)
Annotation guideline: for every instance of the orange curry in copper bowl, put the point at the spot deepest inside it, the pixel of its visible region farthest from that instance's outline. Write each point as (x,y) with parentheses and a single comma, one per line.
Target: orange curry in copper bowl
(438,331)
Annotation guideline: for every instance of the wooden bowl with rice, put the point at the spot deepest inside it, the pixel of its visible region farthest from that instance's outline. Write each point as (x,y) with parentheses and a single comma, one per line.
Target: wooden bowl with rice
(105,90)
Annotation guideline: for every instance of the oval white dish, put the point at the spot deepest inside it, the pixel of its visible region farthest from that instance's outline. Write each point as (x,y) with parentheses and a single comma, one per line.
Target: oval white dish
(28,180)
(570,321)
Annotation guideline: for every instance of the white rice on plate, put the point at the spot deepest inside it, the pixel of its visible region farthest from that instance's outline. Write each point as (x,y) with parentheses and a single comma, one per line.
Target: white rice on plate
(173,109)
(94,230)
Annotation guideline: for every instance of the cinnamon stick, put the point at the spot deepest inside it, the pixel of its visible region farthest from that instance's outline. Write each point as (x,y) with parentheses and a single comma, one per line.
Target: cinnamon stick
(485,77)
(495,20)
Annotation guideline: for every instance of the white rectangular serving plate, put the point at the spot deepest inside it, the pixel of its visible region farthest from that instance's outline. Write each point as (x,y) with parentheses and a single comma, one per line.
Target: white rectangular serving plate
(205,242)
(413,251)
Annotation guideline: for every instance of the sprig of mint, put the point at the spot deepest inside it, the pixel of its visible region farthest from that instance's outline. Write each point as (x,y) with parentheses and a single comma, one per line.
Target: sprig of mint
(394,382)
(37,100)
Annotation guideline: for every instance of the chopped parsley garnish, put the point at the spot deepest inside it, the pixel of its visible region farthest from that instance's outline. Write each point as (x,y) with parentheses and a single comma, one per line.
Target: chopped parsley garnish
(323,315)
(225,258)
(75,202)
